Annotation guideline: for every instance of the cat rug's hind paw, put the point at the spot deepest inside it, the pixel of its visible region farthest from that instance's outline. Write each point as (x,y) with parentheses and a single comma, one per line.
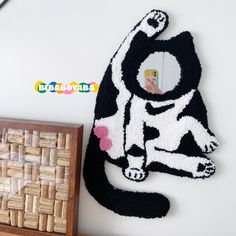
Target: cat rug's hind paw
(205,170)
(135,174)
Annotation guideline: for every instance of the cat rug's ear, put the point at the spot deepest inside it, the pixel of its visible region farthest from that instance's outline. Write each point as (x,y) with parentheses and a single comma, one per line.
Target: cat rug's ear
(183,44)
(154,23)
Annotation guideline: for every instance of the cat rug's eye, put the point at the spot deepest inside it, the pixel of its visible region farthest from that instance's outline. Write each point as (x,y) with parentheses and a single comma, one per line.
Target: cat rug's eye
(159,73)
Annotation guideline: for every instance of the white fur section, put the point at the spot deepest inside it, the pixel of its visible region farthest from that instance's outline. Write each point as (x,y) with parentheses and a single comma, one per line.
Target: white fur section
(134,130)
(115,125)
(135,162)
(119,58)
(166,123)
(135,170)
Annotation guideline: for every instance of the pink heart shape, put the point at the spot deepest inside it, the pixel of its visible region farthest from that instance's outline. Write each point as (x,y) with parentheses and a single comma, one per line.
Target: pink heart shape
(101,131)
(105,144)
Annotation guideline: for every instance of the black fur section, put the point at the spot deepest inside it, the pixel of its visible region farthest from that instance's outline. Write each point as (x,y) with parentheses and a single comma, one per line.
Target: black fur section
(127,118)
(136,151)
(196,109)
(201,167)
(188,146)
(181,46)
(156,166)
(127,112)
(153,23)
(157,110)
(150,133)
(144,205)
(106,98)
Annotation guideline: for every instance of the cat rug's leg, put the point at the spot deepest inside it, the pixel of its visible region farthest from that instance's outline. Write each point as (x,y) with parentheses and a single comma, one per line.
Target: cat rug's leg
(134,148)
(207,142)
(198,166)
(135,170)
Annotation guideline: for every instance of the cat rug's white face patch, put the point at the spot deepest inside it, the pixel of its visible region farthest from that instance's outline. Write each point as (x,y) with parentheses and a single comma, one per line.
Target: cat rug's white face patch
(159,73)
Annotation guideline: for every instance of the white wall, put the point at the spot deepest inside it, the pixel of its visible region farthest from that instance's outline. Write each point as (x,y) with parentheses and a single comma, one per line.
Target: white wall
(73,40)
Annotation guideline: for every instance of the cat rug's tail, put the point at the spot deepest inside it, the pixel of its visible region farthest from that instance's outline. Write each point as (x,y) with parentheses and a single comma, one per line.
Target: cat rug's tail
(138,204)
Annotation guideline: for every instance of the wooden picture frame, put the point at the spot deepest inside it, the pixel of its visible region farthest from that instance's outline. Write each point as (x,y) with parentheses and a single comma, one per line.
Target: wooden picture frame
(13,132)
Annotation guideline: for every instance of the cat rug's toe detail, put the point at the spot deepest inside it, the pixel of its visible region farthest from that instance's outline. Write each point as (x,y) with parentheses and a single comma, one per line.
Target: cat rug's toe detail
(207,142)
(211,146)
(135,174)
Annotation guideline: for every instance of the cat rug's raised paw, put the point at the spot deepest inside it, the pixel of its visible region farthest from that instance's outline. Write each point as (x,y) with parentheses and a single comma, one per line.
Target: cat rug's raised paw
(205,170)
(154,22)
(135,174)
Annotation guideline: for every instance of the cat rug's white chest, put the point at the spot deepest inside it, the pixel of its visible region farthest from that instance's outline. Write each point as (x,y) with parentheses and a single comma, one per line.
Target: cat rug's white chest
(158,114)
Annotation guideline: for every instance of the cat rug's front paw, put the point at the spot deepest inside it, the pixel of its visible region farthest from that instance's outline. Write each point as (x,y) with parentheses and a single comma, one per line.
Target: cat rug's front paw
(154,22)
(209,144)
(205,170)
(135,174)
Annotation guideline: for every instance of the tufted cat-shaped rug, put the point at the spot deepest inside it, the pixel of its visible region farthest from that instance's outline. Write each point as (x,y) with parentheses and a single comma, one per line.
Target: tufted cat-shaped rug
(140,131)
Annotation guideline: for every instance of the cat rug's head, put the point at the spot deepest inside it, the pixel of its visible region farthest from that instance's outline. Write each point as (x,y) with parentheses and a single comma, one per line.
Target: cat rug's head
(160,70)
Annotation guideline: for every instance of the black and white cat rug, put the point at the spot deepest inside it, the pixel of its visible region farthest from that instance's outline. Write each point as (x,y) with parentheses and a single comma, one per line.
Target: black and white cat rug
(141,131)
